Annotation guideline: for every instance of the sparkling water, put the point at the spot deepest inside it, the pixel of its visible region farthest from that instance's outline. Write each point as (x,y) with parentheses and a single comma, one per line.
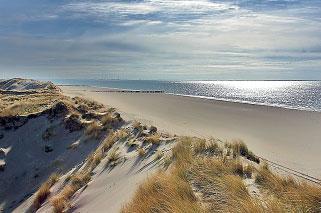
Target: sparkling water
(304,95)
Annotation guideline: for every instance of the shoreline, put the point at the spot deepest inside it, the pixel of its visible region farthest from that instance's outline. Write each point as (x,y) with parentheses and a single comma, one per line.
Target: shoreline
(112,89)
(285,136)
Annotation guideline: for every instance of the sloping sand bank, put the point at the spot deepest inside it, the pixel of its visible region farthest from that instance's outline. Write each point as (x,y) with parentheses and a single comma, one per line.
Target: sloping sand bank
(288,137)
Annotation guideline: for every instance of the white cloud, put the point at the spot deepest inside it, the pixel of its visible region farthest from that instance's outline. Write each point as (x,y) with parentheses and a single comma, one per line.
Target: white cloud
(150,6)
(172,37)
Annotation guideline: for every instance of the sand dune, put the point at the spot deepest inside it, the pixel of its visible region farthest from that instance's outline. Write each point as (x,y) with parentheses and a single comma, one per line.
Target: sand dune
(289,137)
(70,144)
(99,160)
(19,84)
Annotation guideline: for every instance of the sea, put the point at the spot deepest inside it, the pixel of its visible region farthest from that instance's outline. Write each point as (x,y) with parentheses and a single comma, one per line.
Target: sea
(302,95)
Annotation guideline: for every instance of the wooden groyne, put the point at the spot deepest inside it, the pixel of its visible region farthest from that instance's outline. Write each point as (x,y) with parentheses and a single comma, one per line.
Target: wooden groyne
(131,91)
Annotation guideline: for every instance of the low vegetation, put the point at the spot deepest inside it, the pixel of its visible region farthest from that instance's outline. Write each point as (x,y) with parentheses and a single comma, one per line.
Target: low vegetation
(122,134)
(13,105)
(61,201)
(114,155)
(199,175)
(137,125)
(109,141)
(202,177)
(141,152)
(88,104)
(44,191)
(239,148)
(153,139)
(289,193)
(107,120)
(159,155)
(93,130)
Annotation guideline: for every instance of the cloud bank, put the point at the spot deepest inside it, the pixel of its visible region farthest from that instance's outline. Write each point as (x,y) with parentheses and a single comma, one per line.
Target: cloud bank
(161,39)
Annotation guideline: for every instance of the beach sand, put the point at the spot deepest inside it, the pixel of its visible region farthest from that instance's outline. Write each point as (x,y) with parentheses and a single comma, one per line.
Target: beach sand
(291,138)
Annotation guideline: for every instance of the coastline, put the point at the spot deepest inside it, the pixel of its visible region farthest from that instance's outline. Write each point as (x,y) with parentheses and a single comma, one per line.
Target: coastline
(114,89)
(286,136)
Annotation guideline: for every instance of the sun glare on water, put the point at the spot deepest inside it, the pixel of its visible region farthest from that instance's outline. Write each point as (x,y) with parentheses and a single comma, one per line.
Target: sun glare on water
(251,85)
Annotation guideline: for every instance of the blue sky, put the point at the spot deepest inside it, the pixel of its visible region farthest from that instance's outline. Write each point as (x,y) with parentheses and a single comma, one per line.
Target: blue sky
(161,39)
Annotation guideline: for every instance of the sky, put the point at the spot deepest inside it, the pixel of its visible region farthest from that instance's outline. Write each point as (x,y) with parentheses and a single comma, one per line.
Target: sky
(161,39)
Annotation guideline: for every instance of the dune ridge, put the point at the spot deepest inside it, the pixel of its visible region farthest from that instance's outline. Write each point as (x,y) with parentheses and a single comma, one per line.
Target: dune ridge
(71,154)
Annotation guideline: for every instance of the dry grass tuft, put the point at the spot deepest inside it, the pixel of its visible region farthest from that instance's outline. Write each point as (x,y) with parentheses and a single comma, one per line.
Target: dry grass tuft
(164,193)
(80,179)
(114,155)
(89,104)
(167,162)
(201,146)
(109,141)
(94,159)
(137,125)
(60,202)
(109,121)
(240,148)
(248,170)
(153,139)
(297,196)
(93,130)
(122,134)
(159,155)
(44,191)
(219,183)
(182,152)
(141,152)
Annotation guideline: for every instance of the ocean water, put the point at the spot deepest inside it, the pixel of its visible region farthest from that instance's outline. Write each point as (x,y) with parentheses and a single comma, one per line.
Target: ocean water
(303,95)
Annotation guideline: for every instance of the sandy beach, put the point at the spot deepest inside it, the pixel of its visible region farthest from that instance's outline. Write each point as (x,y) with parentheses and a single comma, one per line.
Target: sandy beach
(288,137)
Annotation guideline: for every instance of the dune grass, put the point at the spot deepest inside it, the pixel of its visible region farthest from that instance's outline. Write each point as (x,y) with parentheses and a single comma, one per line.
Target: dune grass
(240,148)
(290,193)
(153,139)
(94,159)
(199,182)
(107,120)
(113,155)
(44,191)
(91,105)
(164,193)
(13,105)
(122,134)
(93,130)
(141,152)
(137,125)
(109,141)
(61,201)
(159,155)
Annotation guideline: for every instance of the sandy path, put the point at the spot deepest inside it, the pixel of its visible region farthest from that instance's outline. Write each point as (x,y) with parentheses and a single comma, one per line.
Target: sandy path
(289,137)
